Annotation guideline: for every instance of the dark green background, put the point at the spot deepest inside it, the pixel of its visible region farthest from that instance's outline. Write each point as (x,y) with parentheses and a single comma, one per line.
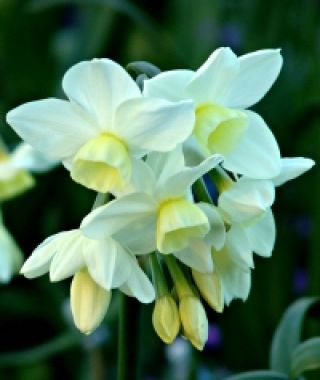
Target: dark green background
(39,40)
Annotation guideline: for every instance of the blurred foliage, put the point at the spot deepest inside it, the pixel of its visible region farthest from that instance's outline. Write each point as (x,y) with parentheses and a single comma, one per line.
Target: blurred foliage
(39,40)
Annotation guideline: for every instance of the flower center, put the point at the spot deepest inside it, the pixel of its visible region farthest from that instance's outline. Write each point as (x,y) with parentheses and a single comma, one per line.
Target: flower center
(102,164)
(179,221)
(219,129)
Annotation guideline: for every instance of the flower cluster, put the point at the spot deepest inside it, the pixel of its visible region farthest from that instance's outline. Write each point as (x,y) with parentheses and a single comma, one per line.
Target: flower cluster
(191,174)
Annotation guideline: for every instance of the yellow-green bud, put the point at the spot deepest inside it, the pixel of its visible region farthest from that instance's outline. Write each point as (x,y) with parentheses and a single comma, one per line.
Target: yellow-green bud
(165,318)
(210,287)
(20,182)
(194,321)
(89,302)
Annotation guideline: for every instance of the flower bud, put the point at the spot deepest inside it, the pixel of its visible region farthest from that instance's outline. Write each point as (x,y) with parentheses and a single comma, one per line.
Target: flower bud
(89,302)
(194,321)
(165,318)
(210,287)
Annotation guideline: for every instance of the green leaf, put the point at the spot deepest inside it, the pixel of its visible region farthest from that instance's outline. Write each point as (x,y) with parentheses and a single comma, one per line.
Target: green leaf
(287,335)
(259,375)
(306,357)
(41,352)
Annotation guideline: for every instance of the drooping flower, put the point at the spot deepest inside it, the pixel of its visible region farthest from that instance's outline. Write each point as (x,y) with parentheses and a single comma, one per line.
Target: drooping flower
(159,212)
(105,123)
(222,89)
(245,207)
(107,262)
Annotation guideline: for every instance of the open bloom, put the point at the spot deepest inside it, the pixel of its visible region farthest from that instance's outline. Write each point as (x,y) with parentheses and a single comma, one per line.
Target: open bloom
(107,262)
(222,88)
(160,213)
(246,208)
(104,124)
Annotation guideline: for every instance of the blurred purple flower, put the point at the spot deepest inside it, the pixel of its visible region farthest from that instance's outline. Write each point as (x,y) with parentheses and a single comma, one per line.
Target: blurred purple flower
(231,35)
(302,225)
(214,337)
(300,280)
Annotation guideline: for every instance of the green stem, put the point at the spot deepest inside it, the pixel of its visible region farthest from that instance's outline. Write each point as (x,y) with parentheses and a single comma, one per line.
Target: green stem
(158,279)
(100,200)
(41,352)
(181,283)
(201,191)
(221,179)
(128,339)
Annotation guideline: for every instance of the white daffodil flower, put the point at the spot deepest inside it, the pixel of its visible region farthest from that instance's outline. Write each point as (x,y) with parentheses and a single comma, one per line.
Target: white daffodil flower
(222,89)
(159,212)
(11,257)
(245,206)
(105,123)
(16,166)
(107,262)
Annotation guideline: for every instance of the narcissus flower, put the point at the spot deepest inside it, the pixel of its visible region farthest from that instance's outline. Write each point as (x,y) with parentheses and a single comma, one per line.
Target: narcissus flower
(222,88)
(104,124)
(245,207)
(107,262)
(16,166)
(159,212)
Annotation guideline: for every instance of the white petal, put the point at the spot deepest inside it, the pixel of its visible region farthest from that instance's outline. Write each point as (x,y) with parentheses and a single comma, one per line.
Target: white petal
(236,282)
(39,261)
(99,86)
(108,263)
(142,179)
(197,256)
(213,79)
(262,234)
(154,124)
(246,199)
(25,157)
(11,257)
(239,248)
(193,151)
(112,217)
(69,257)
(292,168)
(138,284)
(258,71)
(139,237)
(257,154)
(217,235)
(178,184)
(54,127)
(166,165)
(170,85)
